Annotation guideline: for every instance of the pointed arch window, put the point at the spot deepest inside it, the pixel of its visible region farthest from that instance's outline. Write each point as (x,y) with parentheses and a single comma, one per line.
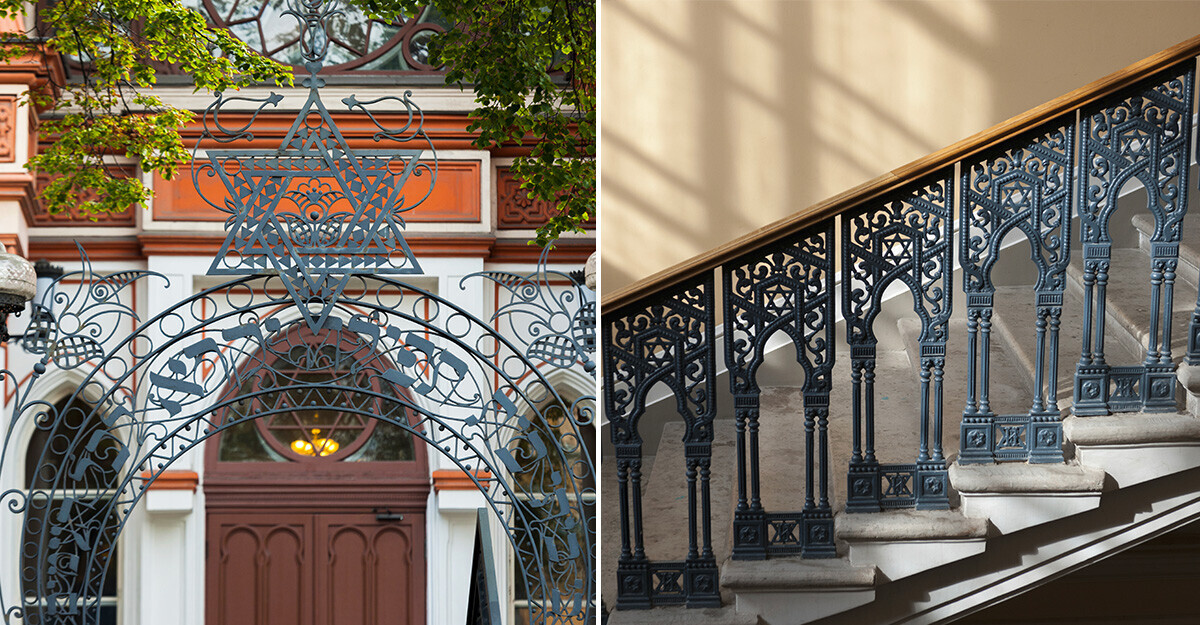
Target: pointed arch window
(57,570)
(552,420)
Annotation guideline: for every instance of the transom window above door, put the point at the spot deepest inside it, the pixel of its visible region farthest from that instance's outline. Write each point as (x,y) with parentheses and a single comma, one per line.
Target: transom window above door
(316,399)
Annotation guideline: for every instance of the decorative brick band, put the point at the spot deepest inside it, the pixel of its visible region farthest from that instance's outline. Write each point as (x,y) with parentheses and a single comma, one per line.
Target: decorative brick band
(173,480)
(454,479)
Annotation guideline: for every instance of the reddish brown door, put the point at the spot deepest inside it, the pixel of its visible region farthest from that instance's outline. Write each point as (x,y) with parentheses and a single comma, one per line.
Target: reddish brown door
(369,573)
(315,569)
(258,568)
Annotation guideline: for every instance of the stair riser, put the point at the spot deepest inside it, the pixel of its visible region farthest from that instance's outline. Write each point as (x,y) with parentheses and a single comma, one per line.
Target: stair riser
(789,607)
(1010,513)
(897,560)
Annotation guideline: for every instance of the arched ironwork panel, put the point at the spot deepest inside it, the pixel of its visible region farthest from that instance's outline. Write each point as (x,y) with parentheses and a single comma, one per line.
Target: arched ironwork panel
(1024,185)
(1142,133)
(168,400)
(787,287)
(904,237)
(670,340)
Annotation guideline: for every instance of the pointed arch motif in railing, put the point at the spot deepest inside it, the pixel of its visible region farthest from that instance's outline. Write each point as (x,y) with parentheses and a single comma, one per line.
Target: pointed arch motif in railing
(670,339)
(905,237)
(1141,133)
(1024,185)
(785,287)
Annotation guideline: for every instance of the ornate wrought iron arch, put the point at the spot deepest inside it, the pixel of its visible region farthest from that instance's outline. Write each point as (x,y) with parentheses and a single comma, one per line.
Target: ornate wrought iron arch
(482,437)
(315,234)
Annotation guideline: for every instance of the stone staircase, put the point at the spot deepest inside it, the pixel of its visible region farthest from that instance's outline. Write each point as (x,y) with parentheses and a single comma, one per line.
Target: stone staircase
(1011,527)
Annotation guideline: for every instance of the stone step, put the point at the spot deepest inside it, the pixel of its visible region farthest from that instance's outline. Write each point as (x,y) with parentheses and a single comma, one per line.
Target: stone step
(1016,495)
(1128,305)
(1189,245)
(790,590)
(664,508)
(1014,334)
(1007,390)
(1118,444)
(905,542)
(781,434)
(679,615)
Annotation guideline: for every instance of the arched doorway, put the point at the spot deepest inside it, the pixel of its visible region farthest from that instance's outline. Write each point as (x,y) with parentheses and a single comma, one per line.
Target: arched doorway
(315,508)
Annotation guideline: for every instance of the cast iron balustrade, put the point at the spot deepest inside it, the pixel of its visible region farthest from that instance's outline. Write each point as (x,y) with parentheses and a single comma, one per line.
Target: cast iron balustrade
(670,340)
(1025,186)
(1021,177)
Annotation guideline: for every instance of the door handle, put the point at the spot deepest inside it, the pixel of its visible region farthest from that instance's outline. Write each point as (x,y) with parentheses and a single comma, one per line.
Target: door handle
(386,515)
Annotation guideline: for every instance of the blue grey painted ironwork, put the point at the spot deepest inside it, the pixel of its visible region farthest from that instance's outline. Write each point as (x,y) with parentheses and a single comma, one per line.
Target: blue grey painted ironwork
(1023,185)
(786,287)
(1143,133)
(905,236)
(669,339)
(559,324)
(315,243)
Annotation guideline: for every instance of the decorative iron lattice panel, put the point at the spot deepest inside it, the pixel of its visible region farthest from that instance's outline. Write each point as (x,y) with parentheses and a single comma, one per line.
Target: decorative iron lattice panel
(669,339)
(1143,134)
(904,237)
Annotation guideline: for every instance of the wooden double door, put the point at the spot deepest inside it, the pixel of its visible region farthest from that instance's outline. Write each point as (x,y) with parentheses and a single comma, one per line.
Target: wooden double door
(325,568)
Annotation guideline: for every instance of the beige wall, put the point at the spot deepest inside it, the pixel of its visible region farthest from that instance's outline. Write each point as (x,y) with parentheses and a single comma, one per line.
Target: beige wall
(719,117)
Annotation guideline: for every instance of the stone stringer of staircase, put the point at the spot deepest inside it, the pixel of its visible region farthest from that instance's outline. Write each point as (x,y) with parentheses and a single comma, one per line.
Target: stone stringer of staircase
(1078,438)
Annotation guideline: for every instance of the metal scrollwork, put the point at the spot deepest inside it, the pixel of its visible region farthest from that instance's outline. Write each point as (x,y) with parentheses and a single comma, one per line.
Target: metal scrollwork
(314,249)
(670,340)
(787,287)
(1143,134)
(1023,186)
(904,237)
(550,312)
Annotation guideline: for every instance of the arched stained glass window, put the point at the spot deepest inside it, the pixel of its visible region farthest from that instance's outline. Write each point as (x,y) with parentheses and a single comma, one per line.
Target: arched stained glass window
(309,415)
(554,423)
(81,446)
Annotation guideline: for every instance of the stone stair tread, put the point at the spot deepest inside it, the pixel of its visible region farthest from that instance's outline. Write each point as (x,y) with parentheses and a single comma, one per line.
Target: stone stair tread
(670,615)
(1013,334)
(1128,304)
(1132,429)
(1007,388)
(1020,477)
(781,438)
(795,574)
(903,525)
(664,508)
(1189,245)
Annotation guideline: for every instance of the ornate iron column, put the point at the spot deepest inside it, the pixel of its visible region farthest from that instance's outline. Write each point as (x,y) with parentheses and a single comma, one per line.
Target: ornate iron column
(668,339)
(1142,133)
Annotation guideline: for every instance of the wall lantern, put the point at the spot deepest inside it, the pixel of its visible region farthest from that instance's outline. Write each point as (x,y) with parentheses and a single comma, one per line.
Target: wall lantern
(18,285)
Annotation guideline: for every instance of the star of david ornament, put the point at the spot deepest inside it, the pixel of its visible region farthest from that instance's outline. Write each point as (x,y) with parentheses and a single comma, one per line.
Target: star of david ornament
(313,210)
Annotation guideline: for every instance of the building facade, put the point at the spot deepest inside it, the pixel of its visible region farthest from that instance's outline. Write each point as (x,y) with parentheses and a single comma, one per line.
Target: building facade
(315,507)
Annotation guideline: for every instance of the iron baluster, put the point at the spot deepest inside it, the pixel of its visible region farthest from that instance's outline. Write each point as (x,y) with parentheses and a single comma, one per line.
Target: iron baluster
(785,287)
(905,236)
(1141,133)
(668,339)
(1023,185)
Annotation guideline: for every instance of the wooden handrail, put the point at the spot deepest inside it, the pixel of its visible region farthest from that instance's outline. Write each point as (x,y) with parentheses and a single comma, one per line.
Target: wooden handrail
(1013,127)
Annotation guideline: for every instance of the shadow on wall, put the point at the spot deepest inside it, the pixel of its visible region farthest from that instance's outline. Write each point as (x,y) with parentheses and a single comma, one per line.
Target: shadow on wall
(720,117)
